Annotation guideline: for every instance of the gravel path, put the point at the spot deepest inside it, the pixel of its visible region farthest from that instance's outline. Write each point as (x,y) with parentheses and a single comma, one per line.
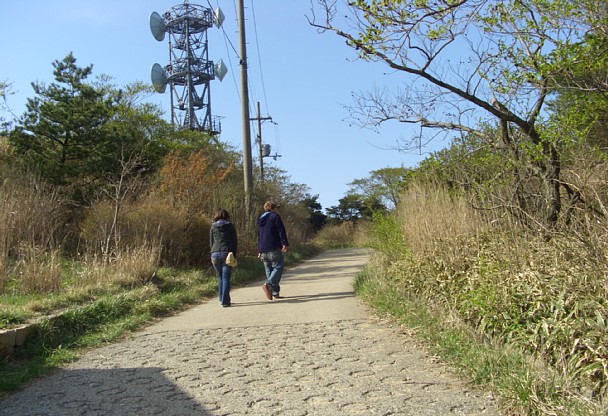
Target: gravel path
(317,351)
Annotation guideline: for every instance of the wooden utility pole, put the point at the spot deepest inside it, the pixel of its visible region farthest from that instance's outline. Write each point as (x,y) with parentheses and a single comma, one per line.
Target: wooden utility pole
(247,159)
(259,119)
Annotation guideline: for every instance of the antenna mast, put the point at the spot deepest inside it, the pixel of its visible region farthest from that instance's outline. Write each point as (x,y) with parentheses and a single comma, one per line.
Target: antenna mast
(189,71)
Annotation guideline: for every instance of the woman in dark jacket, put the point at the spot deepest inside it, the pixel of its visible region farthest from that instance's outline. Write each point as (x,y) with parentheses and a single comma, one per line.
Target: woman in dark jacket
(222,239)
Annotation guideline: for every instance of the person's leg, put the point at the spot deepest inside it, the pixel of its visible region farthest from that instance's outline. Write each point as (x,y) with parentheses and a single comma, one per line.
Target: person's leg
(278,265)
(266,287)
(225,283)
(267,267)
(216,261)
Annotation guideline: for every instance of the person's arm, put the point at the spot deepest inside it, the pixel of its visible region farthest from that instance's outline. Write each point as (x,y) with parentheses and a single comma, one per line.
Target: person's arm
(259,240)
(234,239)
(282,233)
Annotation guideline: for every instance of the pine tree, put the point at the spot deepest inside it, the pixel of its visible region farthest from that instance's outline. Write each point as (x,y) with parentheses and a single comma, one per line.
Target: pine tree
(66,133)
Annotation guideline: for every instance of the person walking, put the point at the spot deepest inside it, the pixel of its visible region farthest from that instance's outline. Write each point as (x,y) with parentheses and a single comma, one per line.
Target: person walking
(272,243)
(223,240)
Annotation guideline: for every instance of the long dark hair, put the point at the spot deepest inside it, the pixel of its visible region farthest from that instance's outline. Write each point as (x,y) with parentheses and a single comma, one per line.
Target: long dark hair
(221,214)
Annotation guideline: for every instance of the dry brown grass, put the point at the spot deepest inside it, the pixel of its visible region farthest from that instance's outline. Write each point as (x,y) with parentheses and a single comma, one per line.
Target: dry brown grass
(31,219)
(431,215)
(5,226)
(338,236)
(183,239)
(39,269)
(588,219)
(545,297)
(130,268)
(138,265)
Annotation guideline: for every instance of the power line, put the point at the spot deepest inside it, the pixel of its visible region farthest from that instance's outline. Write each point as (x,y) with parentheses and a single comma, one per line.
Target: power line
(226,43)
(251,87)
(255,26)
(257,43)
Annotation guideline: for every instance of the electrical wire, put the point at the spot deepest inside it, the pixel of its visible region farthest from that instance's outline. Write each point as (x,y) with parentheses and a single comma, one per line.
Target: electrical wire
(227,42)
(257,43)
(276,129)
(252,93)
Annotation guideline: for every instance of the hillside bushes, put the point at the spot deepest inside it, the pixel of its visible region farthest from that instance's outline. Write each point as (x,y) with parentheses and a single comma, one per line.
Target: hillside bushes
(511,287)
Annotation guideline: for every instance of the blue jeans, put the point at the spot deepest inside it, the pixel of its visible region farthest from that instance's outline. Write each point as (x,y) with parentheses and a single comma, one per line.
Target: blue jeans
(218,259)
(274,263)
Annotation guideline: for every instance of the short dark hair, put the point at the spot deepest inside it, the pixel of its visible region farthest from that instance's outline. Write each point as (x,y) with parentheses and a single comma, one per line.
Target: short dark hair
(221,214)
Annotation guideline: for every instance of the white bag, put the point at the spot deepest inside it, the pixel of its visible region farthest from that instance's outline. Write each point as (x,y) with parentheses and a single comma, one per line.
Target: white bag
(231,260)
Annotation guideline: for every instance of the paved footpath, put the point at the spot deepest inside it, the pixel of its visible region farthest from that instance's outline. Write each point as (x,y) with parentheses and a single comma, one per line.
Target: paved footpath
(317,351)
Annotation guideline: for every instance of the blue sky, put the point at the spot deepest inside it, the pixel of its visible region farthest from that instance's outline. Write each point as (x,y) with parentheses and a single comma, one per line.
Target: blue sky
(301,78)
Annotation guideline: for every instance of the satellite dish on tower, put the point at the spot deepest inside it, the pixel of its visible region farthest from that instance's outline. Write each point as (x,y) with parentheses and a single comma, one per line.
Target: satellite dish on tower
(159,78)
(220,70)
(157,26)
(218,17)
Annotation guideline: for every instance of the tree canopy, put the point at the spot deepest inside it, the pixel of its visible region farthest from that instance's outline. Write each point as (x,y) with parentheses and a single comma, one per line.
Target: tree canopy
(469,65)
(66,131)
(383,185)
(76,132)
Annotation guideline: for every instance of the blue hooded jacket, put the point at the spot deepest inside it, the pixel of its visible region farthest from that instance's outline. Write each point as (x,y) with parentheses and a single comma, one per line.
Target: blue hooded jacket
(271,233)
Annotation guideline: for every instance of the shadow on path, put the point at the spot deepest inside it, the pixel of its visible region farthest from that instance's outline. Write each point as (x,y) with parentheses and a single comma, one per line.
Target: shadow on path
(103,392)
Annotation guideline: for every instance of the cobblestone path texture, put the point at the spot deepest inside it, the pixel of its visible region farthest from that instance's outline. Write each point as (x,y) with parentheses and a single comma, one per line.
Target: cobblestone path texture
(316,351)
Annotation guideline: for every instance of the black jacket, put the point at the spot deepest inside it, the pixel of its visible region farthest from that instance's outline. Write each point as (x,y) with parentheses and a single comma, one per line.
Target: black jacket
(222,237)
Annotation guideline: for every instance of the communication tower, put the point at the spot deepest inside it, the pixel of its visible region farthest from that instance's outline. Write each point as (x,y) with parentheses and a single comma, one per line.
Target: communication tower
(189,71)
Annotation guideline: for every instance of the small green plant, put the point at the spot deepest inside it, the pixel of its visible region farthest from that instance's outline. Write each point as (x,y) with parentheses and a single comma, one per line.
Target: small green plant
(10,317)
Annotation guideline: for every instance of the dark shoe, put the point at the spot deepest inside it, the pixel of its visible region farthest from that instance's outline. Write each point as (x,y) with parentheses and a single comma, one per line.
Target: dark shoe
(267,291)
(276,296)
(225,305)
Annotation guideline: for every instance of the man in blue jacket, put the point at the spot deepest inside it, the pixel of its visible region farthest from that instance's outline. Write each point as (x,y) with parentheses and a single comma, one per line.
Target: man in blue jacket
(272,243)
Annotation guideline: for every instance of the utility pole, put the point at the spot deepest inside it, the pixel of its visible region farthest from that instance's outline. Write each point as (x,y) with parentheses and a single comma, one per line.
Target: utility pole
(247,159)
(259,141)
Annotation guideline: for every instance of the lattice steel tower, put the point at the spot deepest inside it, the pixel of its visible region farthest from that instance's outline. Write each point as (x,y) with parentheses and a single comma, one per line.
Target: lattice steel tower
(189,71)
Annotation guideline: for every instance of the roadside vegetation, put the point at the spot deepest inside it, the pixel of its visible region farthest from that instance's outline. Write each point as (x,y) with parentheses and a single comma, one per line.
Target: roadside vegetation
(493,249)
(523,317)
(105,216)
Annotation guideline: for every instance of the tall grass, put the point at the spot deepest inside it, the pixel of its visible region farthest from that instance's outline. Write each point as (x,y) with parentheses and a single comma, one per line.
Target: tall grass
(5,226)
(430,214)
(508,289)
(337,236)
(181,240)
(588,220)
(130,268)
(39,269)
(32,217)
